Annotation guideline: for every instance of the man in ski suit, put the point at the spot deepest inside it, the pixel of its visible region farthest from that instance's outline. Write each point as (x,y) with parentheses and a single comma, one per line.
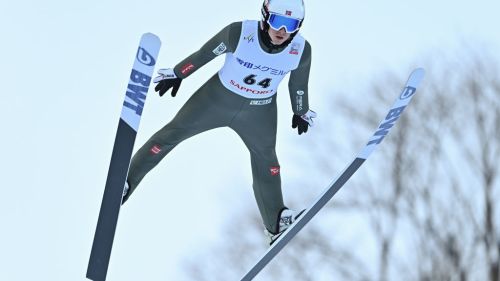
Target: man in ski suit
(241,96)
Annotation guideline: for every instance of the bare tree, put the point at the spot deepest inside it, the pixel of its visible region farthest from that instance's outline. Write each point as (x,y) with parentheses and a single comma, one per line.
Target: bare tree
(429,197)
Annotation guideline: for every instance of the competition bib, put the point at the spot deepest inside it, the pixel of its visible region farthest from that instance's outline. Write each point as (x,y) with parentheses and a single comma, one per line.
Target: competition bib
(251,72)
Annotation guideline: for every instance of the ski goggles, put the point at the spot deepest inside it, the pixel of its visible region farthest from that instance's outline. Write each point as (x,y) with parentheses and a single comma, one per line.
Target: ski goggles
(277,21)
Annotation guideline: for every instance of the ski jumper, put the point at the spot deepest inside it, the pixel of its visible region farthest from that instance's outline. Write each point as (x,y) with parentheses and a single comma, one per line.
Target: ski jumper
(240,96)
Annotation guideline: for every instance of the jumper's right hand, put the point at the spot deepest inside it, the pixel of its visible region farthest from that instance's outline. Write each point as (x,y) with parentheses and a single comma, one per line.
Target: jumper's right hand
(166,80)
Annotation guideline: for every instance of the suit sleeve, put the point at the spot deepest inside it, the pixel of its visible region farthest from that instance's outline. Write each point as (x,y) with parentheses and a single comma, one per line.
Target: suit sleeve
(224,41)
(298,83)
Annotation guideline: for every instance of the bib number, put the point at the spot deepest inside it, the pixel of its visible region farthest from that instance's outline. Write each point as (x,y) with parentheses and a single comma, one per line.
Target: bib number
(250,80)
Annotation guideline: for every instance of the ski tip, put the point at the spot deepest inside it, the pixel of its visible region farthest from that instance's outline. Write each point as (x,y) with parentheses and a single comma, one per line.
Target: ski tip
(416,77)
(150,37)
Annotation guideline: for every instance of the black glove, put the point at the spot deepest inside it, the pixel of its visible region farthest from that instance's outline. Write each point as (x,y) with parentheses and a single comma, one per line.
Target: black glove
(303,122)
(166,80)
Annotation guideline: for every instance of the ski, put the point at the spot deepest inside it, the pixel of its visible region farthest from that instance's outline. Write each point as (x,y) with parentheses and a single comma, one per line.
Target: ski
(387,123)
(128,124)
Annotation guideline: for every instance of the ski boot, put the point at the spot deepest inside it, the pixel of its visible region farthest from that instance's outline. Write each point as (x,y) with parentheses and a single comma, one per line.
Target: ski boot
(126,188)
(286,218)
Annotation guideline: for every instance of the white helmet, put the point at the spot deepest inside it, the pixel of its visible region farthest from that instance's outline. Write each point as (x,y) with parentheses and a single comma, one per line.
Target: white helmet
(288,14)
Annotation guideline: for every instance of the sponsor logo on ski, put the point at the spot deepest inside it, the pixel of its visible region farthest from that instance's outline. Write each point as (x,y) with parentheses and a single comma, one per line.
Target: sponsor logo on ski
(136,91)
(300,92)
(274,170)
(187,68)
(407,93)
(330,191)
(139,83)
(144,57)
(261,102)
(220,49)
(386,125)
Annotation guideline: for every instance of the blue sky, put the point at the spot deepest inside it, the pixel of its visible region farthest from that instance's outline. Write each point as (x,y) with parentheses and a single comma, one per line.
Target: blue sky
(65,65)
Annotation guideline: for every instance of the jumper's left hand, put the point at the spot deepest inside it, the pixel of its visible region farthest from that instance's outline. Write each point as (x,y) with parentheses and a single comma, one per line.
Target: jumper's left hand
(303,122)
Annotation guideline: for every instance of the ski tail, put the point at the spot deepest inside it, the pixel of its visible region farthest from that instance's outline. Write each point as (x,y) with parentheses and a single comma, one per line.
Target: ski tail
(387,123)
(128,125)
